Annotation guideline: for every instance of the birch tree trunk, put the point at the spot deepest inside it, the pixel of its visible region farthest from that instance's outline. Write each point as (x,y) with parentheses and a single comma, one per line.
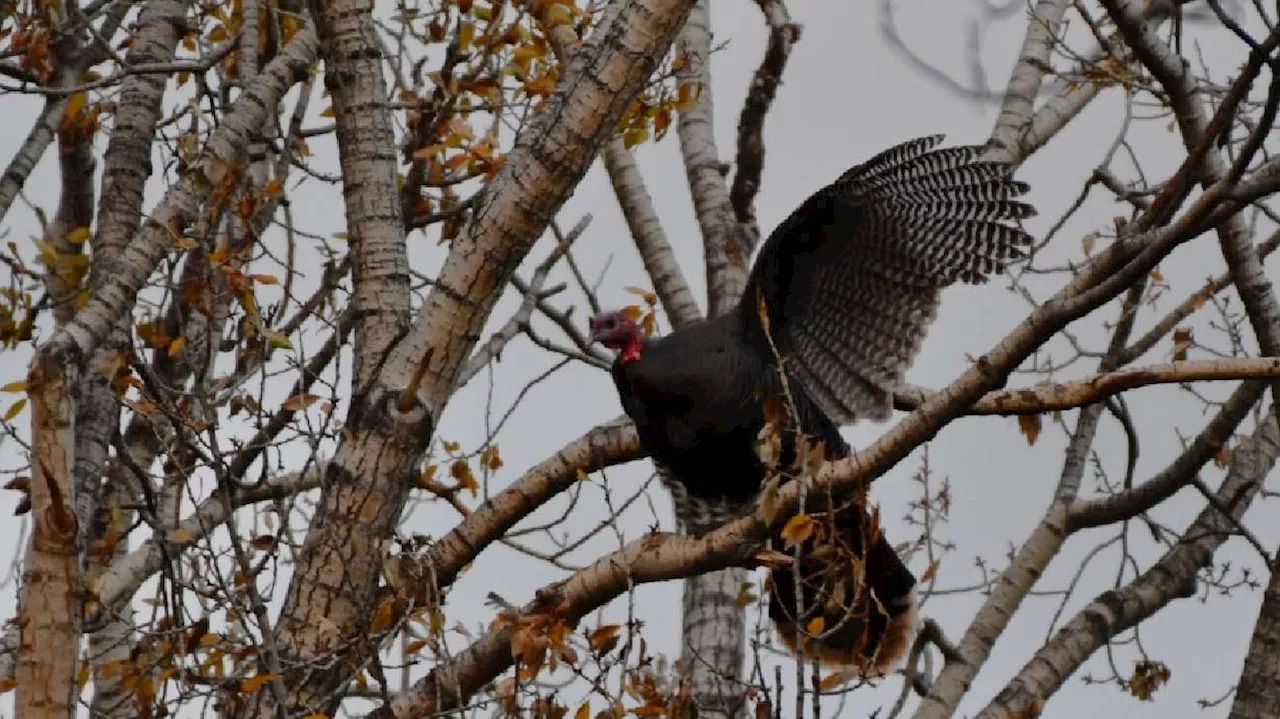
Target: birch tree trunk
(714,624)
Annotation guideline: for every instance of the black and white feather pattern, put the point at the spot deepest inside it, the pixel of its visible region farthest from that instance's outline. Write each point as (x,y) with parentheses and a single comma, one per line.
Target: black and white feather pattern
(851,280)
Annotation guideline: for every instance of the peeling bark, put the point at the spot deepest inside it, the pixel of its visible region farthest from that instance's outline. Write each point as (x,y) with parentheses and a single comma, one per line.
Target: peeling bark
(49,601)
(1258,693)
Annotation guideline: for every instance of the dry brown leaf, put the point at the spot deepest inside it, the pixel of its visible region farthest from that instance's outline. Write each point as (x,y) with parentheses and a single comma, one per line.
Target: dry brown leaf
(1029,426)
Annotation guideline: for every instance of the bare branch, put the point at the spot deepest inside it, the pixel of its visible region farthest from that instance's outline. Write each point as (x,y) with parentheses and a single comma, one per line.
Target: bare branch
(764,86)
(646,230)
(1016,110)
(726,247)
(136,261)
(1170,578)
(1206,445)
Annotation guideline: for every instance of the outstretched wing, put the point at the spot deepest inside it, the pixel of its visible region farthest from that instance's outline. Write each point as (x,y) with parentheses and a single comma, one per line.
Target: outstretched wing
(851,279)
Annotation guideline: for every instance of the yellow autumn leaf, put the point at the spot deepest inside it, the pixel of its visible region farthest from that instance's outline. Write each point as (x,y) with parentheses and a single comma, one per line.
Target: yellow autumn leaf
(16,386)
(15,409)
(176,346)
(78,236)
(466,33)
(798,529)
(634,136)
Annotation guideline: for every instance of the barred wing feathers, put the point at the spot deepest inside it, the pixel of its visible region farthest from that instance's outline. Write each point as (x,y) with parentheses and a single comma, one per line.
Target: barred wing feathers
(851,279)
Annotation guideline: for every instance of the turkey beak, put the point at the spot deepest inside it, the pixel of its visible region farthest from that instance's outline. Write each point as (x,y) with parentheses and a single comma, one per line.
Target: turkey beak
(595,332)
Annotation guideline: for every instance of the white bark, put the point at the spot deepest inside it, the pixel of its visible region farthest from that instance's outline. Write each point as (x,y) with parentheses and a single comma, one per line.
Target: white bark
(726,248)
(1018,106)
(646,230)
(992,619)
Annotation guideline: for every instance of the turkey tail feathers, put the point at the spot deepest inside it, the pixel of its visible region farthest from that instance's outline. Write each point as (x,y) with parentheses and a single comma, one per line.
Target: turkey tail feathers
(851,648)
(856,611)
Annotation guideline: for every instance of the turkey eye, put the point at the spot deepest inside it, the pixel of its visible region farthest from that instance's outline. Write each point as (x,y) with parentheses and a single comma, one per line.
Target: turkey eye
(611,323)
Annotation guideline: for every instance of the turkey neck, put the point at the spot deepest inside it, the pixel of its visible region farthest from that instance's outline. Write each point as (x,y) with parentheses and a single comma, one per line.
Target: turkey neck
(697,397)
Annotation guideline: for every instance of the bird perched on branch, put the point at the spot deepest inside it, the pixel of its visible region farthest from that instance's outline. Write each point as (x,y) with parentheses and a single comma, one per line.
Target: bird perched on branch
(832,316)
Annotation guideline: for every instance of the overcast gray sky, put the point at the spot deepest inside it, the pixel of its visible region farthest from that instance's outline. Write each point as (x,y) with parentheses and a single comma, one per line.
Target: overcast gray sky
(846,95)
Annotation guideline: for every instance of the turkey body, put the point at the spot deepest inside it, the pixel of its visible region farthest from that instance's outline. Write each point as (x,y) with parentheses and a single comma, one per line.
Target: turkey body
(837,303)
(697,399)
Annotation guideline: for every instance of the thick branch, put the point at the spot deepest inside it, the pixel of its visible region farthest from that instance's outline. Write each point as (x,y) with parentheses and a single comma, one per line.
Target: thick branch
(1017,109)
(726,247)
(366,138)
(646,230)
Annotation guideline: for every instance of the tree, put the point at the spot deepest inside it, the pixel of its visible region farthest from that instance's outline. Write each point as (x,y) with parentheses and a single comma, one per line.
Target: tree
(234,438)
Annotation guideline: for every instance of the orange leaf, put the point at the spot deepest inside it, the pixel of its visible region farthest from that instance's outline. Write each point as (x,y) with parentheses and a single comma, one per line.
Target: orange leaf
(1029,425)
(382,617)
(428,152)
(798,529)
(253,684)
(931,571)
(461,471)
(1181,342)
(457,161)
(816,626)
(604,638)
(300,401)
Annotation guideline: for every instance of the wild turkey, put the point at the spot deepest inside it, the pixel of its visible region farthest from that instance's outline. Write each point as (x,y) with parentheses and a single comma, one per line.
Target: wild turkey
(849,283)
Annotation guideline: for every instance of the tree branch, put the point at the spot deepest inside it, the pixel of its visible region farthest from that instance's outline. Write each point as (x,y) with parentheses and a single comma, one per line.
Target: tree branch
(1053,396)
(749,165)
(1170,578)
(726,248)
